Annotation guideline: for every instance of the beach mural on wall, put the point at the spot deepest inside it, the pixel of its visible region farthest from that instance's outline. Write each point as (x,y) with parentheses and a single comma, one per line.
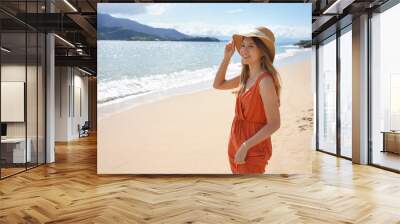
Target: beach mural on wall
(158,112)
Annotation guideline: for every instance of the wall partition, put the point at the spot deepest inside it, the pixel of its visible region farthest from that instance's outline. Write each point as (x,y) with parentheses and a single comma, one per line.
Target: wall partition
(13,86)
(327,95)
(334,92)
(345,60)
(385,89)
(362,54)
(22,88)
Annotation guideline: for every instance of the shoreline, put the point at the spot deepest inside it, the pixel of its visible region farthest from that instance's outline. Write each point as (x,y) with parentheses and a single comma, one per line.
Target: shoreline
(131,101)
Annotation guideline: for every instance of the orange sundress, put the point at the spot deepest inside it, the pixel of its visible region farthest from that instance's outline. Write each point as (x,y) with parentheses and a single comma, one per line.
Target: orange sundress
(249,119)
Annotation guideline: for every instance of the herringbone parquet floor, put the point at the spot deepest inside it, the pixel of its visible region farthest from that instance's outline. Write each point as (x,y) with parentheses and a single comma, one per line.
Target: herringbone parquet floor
(69,191)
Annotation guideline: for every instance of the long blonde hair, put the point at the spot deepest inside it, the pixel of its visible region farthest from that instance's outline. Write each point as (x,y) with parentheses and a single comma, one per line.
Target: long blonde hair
(266,64)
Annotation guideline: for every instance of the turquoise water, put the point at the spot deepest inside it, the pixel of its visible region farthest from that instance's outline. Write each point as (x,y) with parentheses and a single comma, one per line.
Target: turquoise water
(134,68)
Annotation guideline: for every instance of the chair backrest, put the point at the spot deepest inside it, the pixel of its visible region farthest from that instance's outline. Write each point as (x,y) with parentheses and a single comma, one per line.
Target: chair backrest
(86,125)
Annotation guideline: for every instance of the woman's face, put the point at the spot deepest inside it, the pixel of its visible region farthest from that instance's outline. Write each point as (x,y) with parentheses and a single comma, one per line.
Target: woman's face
(249,51)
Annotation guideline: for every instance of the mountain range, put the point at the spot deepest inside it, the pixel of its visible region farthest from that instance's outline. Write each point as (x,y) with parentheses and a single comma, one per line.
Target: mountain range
(111,28)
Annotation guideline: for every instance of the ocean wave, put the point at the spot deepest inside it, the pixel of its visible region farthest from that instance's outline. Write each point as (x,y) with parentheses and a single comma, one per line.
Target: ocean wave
(116,89)
(112,90)
(289,46)
(291,52)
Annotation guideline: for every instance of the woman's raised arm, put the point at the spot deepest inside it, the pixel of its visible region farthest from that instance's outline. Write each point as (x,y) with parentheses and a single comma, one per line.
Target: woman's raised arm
(220,82)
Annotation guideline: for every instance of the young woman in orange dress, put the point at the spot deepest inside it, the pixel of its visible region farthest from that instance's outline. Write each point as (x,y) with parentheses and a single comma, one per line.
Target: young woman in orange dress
(257,114)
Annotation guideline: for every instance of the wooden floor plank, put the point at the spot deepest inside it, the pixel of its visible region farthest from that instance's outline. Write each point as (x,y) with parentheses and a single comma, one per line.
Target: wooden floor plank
(70,191)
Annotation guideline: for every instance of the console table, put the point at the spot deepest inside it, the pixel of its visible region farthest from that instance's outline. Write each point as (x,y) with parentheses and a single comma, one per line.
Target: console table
(13,150)
(391,141)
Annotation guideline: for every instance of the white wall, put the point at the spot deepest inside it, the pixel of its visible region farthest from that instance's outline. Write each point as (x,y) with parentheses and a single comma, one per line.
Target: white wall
(70,83)
(80,98)
(62,80)
(12,73)
(33,127)
(81,82)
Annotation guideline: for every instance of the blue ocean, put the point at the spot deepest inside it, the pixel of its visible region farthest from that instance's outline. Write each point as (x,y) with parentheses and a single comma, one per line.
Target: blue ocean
(132,69)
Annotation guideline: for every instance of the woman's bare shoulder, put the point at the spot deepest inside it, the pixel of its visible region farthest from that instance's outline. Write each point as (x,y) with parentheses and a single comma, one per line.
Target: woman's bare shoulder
(266,80)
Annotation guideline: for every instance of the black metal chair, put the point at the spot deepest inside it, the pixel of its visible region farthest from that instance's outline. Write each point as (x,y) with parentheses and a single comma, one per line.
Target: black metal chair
(84,130)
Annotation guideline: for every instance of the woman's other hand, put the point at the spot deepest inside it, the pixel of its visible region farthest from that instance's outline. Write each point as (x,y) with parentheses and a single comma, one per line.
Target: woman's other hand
(241,154)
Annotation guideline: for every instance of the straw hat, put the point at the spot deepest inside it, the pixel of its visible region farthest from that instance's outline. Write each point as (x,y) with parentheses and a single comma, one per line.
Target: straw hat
(261,32)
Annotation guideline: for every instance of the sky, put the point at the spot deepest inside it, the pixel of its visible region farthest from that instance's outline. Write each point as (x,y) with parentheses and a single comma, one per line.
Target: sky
(290,20)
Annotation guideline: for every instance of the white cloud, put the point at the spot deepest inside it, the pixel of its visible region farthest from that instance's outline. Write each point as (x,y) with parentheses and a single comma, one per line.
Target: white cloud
(199,28)
(126,10)
(234,11)
(205,29)
(157,9)
(291,31)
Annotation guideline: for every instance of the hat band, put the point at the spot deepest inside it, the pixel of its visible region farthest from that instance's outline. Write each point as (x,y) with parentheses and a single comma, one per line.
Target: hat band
(257,34)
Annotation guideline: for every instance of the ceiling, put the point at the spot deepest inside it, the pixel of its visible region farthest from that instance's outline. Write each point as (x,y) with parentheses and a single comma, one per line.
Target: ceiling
(328,13)
(75,43)
(76,20)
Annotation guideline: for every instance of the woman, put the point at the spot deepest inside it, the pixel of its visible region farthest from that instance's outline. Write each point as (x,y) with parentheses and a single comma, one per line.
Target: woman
(257,114)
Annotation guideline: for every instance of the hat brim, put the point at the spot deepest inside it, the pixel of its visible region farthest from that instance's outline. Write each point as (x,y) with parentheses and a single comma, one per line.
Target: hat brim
(238,38)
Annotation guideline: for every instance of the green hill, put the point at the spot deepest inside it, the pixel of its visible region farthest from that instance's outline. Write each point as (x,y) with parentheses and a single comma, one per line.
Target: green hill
(304,43)
(118,33)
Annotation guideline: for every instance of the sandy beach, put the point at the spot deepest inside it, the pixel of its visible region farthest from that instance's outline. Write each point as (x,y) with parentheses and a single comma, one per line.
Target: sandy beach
(188,134)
